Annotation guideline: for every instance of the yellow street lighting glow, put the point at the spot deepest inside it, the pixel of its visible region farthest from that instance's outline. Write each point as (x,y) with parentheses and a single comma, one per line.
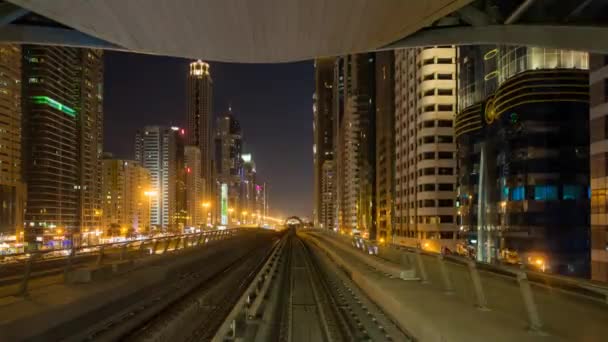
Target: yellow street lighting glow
(206,205)
(150,193)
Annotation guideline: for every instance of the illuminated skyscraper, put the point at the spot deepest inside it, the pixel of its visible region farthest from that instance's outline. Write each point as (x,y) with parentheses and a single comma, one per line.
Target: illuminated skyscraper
(522,130)
(12,188)
(63,96)
(598,81)
(157,149)
(197,206)
(385,142)
(126,198)
(354,120)
(425,160)
(323,215)
(229,163)
(200,116)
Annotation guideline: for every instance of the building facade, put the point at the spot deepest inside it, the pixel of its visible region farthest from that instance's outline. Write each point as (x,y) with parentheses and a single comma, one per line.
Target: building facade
(385,141)
(127,199)
(425,161)
(62,102)
(229,162)
(12,186)
(323,140)
(248,189)
(354,121)
(197,207)
(157,149)
(328,195)
(524,158)
(200,118)
(598,82)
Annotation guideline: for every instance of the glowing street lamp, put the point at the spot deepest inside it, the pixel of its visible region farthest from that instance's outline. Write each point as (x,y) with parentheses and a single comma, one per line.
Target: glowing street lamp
(206,205)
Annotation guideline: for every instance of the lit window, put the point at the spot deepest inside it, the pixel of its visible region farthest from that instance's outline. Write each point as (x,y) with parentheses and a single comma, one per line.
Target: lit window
(518,193)
(545,192)
(572,192)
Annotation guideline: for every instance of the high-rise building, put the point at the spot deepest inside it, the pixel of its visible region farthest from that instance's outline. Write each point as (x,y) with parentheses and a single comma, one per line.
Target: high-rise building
(425,161)
(523,136)
(127,196)
(90,118)
(12,187)
(248,188)
(354,119)
(200,116)
(323,139)
(228,162)
(197,207)
(62,102)
(328,195)
(598,81)
(157,149)
(385,138)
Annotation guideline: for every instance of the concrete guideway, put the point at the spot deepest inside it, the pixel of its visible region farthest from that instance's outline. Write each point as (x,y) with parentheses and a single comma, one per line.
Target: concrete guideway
(303,296)
(110,308)
(432,311)
(43,268)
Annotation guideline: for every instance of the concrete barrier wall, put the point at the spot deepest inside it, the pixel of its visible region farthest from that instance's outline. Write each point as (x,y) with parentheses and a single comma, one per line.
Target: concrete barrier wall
(562,313)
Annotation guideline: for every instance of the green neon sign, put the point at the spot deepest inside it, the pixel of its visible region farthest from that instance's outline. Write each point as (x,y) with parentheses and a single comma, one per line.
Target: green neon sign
(54,104)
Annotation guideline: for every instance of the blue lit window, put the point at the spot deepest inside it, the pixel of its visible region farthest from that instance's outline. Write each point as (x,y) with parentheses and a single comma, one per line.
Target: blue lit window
(518,193)
(504,194)
(572,192)
(545,192)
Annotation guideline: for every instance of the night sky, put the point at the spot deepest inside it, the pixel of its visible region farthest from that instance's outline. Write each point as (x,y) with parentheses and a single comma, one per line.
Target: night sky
(273,102)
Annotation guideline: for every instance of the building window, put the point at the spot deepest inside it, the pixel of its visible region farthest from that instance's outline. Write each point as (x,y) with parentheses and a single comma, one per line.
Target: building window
(444,155)
(446,187)
(444,76)
(445,108)
(445,92)
(518,193)
(445,171)
(446,219)
(545,192)
(445,139)
(444,123)
(572,192)
(446,203)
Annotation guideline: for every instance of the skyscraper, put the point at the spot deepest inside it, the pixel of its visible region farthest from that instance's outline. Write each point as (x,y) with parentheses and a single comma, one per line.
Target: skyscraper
(385,138)
(598,80)
(228,151)
(323,139)
(127,194)
(523,140)
(157,149)
(200,116)
(63,124)
(248,187)
(195,203)
(12,187)
(354,119)
(425,161)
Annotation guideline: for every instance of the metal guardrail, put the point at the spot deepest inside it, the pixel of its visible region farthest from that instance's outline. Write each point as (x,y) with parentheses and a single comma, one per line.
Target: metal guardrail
(97,254)
(412,258)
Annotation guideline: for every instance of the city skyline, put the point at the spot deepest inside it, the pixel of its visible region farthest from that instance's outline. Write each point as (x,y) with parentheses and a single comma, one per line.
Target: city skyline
(272,102)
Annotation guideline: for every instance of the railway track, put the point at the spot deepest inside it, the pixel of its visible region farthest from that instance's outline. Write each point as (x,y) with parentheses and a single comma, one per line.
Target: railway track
(210,290)
(310,299)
